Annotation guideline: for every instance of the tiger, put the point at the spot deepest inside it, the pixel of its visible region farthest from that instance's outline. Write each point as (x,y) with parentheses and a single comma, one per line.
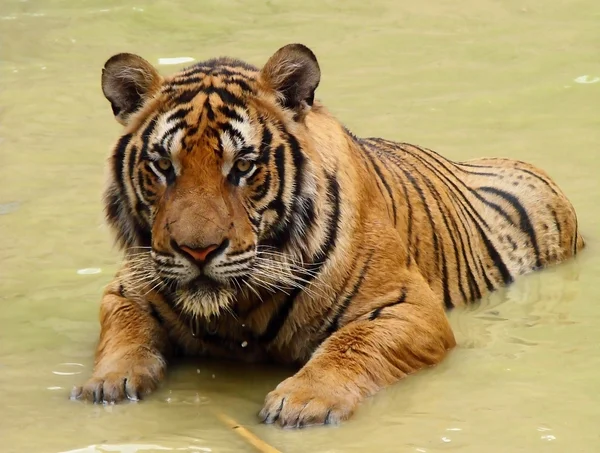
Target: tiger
(256,227)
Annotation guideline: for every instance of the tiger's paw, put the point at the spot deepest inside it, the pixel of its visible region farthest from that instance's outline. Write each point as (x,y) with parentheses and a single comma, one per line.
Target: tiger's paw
(122,380)
(299,402)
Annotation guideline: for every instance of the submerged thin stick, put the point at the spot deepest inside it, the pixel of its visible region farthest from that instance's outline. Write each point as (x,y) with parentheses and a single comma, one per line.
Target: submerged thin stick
(252,439)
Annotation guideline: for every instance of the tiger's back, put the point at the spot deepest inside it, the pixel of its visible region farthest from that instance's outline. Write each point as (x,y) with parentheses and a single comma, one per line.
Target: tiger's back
(471,227)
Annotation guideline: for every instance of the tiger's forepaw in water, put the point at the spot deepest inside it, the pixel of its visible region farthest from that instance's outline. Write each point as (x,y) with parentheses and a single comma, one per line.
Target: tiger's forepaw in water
(299,402)
(124,379)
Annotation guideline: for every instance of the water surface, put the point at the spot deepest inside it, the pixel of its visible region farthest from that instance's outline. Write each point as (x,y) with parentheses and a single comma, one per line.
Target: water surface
(487,78)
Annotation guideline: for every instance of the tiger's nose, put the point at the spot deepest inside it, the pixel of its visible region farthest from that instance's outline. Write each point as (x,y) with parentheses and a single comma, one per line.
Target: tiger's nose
(202,254)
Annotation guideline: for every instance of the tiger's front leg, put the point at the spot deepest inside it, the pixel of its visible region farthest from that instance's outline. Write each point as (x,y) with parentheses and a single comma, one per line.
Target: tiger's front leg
(131,354)
(405,332)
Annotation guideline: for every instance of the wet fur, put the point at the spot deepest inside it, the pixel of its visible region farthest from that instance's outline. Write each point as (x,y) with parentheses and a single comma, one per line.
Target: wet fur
(362,249)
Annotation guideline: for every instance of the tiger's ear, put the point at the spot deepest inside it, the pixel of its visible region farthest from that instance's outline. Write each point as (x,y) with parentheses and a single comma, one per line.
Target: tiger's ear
(293,73)
(127,82)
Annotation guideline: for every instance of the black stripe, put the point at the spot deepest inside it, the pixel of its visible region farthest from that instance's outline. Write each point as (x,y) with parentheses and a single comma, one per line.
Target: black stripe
(237,262)
(474,289)
(299,217)
(470,277)
(343,306)
(524,223)
(219,66)
(237,80)
(264,158)
(131,162)
(227,97)
(118,160)
(333,226)
(434,236)
(440,162)
(437,198)
(473,214)
(235,134)
(230,113)
(146,135)
(438,246)
(266,140)
(458,166)
(210,113)
(179,114)
(515,167)
(261,191)
(468,164)
(170,134)
(334,306)
(539,177)
(277,203)
(377,312)
(186,96)
(255,223)
(155,313)
(113,203)
(383,180)
(246,151)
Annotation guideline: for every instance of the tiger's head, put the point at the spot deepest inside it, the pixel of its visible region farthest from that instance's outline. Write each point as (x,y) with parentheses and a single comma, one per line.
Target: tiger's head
(210,177)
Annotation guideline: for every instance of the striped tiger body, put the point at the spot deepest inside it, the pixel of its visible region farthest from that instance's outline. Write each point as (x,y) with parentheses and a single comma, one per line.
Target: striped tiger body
(256,227)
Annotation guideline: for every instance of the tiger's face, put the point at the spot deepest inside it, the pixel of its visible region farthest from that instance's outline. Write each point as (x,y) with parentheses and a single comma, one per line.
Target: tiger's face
(205,224)
(209,175)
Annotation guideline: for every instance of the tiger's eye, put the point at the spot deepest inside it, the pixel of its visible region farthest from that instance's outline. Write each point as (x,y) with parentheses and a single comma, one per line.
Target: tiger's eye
(164,164)
(243,165)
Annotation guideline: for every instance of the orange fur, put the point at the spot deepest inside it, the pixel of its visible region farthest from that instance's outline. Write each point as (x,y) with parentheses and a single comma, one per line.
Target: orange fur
(335,253)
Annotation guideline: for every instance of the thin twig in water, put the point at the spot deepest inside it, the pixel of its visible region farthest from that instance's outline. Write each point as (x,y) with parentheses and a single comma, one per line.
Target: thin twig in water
(251,438)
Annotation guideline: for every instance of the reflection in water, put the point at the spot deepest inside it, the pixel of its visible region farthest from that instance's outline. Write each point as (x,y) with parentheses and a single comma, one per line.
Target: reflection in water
(485,79)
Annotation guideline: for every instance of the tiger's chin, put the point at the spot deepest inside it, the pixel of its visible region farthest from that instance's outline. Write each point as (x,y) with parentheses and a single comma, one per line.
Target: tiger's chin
(204,297)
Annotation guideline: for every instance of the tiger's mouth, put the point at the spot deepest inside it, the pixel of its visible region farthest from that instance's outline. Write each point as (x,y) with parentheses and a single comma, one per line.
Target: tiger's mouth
(203,283)
(204,297)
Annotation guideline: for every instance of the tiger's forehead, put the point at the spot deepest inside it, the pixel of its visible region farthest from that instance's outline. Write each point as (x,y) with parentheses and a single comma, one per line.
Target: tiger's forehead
(223,67)
(206,104)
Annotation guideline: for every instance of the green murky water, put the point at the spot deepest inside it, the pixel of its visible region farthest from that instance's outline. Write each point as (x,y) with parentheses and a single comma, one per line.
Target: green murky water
(511,78)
